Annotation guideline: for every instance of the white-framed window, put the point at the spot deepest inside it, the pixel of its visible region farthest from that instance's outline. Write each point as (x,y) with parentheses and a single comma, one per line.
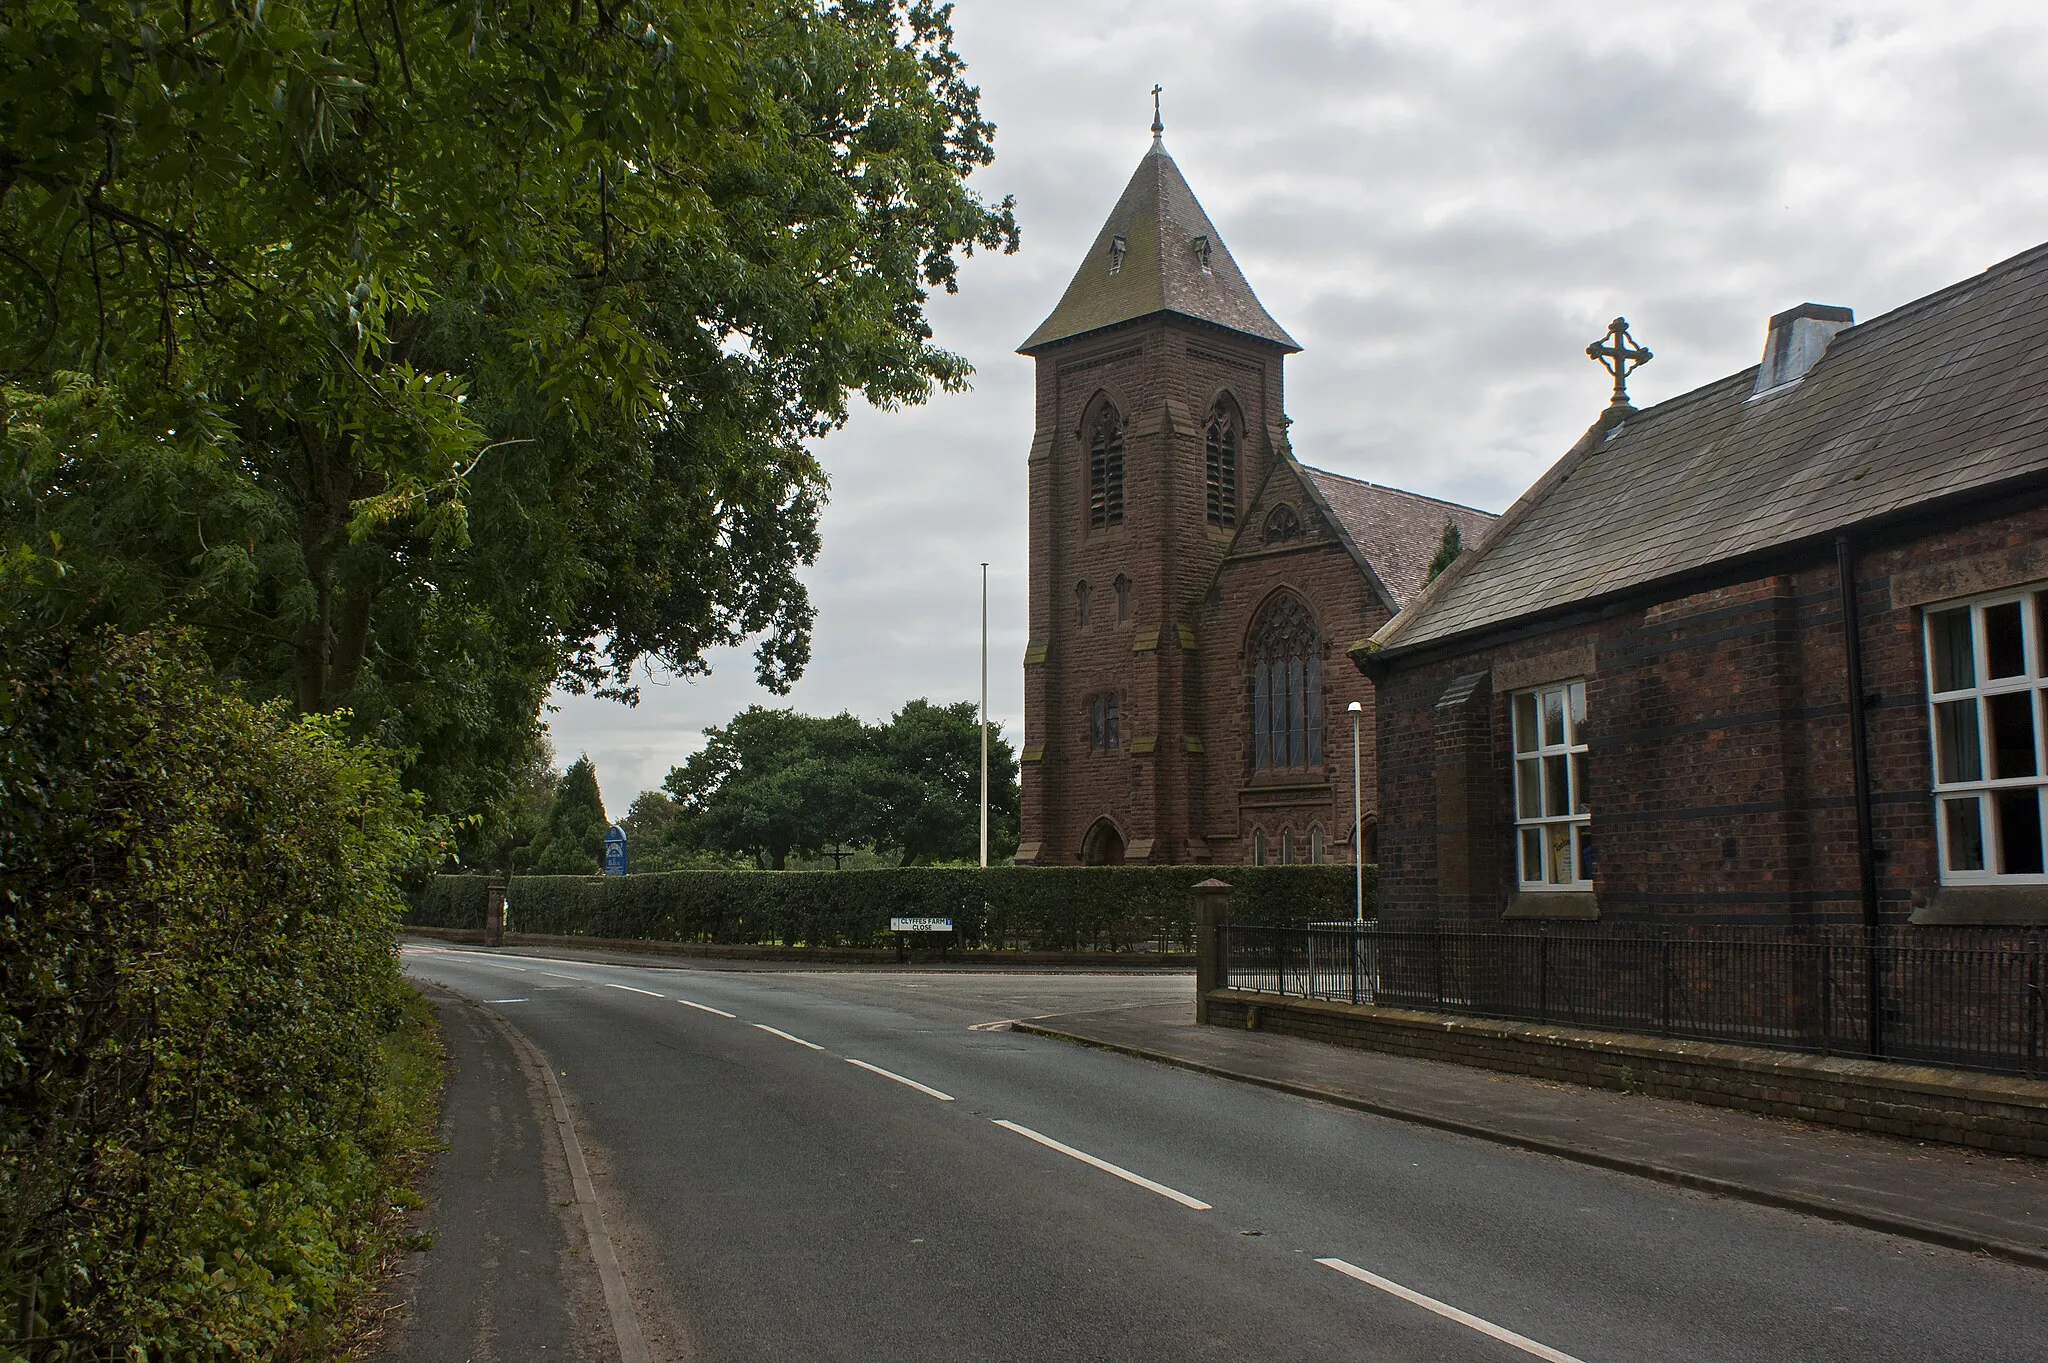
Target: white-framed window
(1553,822)
(1315,844)
(1986,673)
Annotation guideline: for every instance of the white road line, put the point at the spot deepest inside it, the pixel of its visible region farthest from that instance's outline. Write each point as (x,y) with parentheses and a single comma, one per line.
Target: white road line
(631,990)
(705,1007)
(504,1000)
(1465,1318)
(907,1083)
(1105,1166)
(787,1037)
(553,976)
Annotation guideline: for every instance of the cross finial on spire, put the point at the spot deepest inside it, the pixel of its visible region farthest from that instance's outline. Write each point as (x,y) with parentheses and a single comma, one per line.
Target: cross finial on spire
(1620,356)
(1158,126)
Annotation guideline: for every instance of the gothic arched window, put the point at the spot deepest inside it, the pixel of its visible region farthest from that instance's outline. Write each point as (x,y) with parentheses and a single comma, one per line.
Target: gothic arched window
(1287,688)
(1282,524)
(1123,598)
(1084,598)
(1222,466)
(1106,469)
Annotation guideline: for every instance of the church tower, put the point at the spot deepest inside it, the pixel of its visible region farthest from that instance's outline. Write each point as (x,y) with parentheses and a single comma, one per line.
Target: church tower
(1159,415)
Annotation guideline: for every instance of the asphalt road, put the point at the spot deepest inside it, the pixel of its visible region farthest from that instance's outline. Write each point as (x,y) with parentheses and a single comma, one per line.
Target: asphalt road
(845,1168)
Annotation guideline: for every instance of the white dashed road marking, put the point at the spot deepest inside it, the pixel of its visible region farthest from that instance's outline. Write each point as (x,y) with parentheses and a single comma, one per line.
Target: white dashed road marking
(907,1083)
(1484,1327)
(1194,1204)
(777,1031)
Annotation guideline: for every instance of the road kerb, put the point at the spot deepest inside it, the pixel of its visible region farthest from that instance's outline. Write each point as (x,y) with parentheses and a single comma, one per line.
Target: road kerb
(618,1300)
(1946,1236)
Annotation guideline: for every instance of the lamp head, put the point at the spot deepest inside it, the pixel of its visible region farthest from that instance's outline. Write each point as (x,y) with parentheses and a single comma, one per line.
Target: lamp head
(1354,708)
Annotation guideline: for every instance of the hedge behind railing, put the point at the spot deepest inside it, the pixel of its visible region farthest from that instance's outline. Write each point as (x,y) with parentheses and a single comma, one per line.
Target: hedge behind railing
(1073,908)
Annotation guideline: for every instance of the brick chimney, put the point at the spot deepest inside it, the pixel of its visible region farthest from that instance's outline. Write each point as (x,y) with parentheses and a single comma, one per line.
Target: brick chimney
(1799,337)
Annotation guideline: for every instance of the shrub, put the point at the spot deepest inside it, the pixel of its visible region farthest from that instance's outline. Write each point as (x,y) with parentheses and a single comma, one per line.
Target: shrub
(197,898)
(1041,908)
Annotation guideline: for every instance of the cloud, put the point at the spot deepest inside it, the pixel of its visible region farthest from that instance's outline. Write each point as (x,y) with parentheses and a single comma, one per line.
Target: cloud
(1444,203)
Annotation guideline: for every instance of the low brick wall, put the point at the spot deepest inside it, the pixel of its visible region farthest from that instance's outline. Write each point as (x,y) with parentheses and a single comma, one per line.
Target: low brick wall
(1985,1111)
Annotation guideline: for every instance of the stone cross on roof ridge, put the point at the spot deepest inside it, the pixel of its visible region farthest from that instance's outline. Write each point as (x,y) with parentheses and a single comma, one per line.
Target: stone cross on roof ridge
(1620,356)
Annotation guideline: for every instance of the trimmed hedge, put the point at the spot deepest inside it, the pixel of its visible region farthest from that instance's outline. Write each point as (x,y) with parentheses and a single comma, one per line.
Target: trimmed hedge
(1067,908)
(198,1131)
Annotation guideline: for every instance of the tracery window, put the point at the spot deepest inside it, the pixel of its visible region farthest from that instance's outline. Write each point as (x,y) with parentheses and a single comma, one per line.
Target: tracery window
(1987,664)
(1222,442)
(1287,689)
(1106,469)
(1282,524)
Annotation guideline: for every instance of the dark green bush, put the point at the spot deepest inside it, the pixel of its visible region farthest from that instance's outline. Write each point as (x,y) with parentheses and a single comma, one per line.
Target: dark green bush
(1040,908)
(197,899)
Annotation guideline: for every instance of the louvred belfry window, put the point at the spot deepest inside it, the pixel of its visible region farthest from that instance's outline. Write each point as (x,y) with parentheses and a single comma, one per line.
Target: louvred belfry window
(1106,470)
(1222,444)
(1287,689)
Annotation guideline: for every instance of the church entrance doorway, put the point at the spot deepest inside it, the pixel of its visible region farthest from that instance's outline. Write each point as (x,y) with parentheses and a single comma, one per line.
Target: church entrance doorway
(1103,846)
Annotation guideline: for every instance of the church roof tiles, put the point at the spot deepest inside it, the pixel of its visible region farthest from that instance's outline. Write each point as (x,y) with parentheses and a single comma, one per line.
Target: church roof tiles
(1158,252)
(1397,532)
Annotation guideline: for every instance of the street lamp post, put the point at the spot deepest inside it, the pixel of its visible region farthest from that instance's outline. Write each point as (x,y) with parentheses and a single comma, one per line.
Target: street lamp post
(984,716)
(1357,712)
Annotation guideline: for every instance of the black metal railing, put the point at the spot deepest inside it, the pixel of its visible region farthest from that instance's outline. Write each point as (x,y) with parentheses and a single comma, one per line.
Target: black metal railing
(1950,997)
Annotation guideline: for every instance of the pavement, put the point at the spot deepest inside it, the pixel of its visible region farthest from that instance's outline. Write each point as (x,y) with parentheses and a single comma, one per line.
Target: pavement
(886,1166)
(1942,1194)
(507,1277)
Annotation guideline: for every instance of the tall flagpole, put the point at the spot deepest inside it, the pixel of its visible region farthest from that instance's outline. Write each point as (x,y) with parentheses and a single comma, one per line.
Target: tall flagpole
(984,716)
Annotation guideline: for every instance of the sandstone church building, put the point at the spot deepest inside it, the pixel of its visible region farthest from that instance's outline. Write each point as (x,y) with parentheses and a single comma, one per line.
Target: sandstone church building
(1194,587)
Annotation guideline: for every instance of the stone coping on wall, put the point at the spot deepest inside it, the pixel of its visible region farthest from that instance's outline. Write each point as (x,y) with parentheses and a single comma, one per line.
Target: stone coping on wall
(1925,1102)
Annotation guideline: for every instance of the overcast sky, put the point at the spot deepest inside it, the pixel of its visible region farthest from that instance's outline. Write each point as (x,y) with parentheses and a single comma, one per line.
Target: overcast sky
(1443,203)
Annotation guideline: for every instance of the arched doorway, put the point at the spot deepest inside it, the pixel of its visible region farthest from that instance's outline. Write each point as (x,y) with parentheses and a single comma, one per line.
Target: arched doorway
(1103,846)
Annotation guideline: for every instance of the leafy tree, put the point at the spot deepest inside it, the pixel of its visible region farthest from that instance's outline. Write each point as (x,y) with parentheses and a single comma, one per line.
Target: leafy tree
(1447,551)
(650,817)
(930,796)
(572,843)
(773,782)
(422,358)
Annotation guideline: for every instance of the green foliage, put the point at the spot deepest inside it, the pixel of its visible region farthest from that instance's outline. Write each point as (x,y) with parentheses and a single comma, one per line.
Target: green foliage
(573,843)
(197,995)
(421,357)
(774,784)
(1111,908)
(929,797)
(1447,551)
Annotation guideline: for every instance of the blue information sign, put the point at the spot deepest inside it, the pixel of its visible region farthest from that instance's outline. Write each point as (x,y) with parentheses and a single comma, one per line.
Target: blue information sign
(615,851)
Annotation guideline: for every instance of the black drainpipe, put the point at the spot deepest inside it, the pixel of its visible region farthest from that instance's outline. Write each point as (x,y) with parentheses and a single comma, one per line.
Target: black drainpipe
(1859,757)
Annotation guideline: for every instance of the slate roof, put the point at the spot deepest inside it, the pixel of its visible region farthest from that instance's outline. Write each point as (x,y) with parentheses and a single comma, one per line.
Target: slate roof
(1161,270)
(1397,532)
(1942,398)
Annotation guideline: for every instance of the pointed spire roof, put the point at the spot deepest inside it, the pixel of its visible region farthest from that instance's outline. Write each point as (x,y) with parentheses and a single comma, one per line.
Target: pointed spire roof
(1173,260)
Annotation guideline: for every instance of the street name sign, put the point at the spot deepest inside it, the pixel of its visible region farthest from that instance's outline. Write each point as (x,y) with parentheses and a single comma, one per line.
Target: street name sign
(920,925)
